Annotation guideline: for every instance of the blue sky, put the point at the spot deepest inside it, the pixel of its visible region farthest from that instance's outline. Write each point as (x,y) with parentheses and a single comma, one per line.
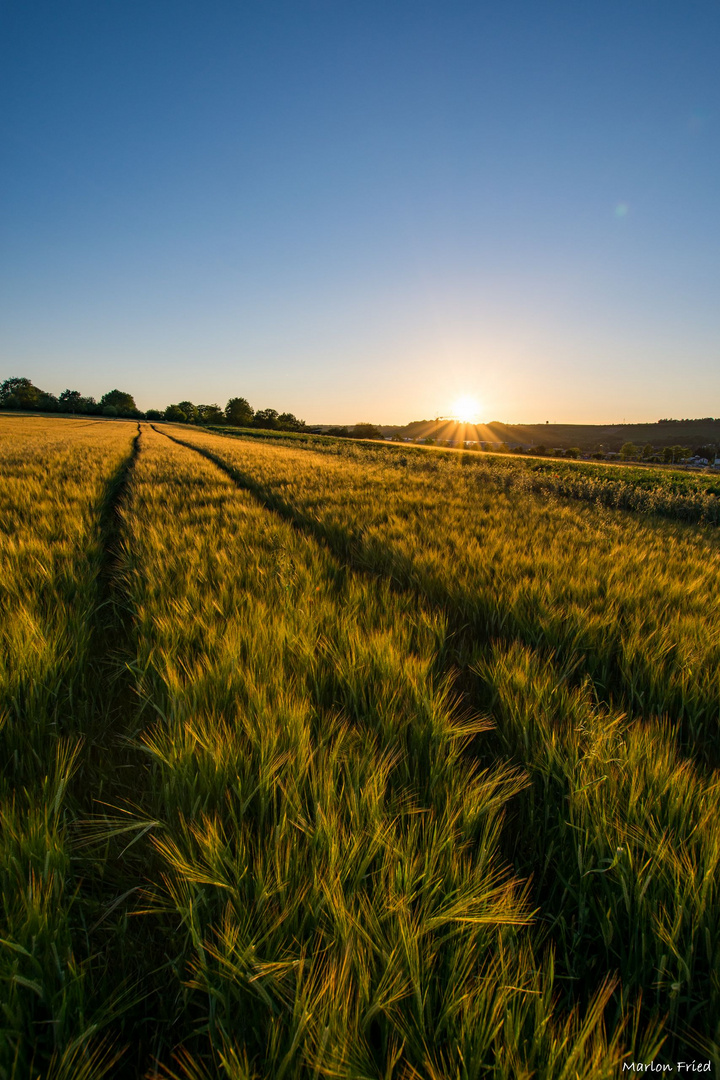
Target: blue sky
(360,210)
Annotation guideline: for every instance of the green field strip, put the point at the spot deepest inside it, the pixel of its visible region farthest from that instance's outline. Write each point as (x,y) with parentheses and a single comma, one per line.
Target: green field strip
(603,627)
(616,773)
(295,780)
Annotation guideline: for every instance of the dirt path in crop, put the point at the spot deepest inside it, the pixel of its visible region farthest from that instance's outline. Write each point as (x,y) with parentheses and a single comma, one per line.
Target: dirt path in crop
(114,867)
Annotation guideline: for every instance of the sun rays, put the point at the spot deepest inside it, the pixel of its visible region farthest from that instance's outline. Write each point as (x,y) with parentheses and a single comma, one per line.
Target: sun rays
(466,410)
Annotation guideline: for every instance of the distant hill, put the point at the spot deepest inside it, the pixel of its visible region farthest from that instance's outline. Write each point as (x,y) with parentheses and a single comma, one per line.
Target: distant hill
(690,433)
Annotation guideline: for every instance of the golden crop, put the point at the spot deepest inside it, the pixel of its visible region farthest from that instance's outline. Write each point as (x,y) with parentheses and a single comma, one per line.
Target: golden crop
(376,767)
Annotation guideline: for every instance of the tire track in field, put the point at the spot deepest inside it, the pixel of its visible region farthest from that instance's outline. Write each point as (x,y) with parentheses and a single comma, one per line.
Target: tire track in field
(95,711)
(466,632)
(108,705)
(453,657)
(50,895)
(485,624)
(109,681)
(113,775)
(344,549)
(482,622)
(342,546)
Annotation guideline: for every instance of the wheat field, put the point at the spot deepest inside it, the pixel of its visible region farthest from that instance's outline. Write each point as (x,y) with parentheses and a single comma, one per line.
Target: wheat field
(343,763)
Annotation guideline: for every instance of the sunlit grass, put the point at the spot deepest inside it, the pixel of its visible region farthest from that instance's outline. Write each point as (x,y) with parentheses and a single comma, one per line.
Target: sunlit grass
(634,602)
(595,615)
(331,844)
(54,480)
(365,766)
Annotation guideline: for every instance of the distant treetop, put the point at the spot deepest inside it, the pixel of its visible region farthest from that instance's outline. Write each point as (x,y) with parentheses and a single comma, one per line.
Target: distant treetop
(118,399)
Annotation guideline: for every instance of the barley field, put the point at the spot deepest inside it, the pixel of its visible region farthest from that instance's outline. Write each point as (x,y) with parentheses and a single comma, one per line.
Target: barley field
(343,762)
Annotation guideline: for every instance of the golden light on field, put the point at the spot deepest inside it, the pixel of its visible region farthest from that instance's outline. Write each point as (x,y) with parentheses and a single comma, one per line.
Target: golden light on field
(466,410)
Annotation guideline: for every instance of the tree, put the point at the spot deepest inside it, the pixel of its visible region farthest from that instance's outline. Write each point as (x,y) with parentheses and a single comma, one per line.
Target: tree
(239,412)
(47,402)
(647,451)
(210,414)
(628,451)
(175,414)
(367,431)
(287,421)
(118,399)
(153,414)
(190,411)
(667,455)
(19,394)
(266,418)
(71,401)
(573,452)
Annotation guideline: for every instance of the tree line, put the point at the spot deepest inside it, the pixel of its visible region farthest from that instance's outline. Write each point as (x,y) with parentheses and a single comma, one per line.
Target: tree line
(23,395)
(670,455)
(648,454)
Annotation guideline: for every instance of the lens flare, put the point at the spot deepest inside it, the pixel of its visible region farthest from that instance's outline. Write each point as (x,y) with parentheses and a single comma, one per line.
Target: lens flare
(466,410)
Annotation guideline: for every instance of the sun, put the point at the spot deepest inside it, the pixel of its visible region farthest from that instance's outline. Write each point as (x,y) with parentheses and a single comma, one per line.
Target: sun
(466,410)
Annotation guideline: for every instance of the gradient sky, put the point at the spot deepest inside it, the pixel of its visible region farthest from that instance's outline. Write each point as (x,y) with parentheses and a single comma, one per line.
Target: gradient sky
(362,210)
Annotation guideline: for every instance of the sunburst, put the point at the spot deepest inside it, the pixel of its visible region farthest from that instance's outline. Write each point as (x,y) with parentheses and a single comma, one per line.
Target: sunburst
(466,410)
